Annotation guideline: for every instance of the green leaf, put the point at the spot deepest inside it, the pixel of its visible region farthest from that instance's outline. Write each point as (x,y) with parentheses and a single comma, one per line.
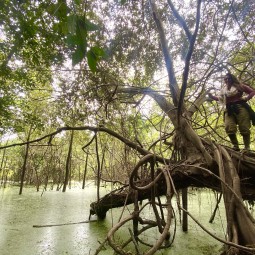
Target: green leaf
(51,8)
(93,57)
(58,10)
(91,26)
(92,60)
(71,40)
(81,34)
(62,10)
(99,52)
(78,56)
(122,2)
(71,23)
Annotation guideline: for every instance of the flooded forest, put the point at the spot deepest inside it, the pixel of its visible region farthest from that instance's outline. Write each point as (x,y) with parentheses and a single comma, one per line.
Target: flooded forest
(127,127)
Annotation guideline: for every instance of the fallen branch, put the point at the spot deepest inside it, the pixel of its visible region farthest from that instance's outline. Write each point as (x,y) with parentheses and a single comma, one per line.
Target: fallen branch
(63,224)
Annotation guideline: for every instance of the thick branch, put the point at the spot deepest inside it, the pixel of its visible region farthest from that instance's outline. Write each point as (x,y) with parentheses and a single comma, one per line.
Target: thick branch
(192,41)
(165,106)
(128,142)
(197,103)
(180,19)
(168,59)
(169,109)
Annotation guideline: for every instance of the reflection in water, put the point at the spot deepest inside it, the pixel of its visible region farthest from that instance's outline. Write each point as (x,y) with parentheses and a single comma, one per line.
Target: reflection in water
(20,212)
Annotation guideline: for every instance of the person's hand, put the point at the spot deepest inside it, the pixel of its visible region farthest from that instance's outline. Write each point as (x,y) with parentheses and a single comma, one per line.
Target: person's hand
(245,99)
(209,97)
(209,94)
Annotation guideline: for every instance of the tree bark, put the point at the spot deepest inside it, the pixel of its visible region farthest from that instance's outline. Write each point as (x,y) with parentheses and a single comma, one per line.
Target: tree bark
(185,206)
(221,176)
(85,171)
(185,176)
(68,162)
(25,162)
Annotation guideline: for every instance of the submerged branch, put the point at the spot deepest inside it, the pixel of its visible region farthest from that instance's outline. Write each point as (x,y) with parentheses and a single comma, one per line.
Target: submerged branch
(63,224)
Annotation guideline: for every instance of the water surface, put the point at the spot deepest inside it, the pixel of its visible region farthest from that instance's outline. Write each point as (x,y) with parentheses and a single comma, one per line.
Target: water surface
(19,213)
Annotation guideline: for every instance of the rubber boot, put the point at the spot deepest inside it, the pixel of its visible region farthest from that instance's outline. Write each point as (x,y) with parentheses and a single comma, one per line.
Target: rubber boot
(234,141)
(246,141)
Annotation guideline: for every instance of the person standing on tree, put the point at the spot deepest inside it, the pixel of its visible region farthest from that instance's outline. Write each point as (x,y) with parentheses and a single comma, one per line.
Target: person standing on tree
(234,96)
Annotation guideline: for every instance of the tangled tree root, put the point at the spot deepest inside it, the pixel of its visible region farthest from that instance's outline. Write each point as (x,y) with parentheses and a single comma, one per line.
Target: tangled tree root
(240,224)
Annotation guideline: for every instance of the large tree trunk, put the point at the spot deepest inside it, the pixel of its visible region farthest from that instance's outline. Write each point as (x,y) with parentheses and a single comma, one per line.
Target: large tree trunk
(221,175)
(184,176)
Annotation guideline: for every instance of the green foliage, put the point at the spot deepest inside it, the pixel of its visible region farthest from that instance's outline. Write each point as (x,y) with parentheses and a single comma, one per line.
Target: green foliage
(52,28)
(94,55)
(35,37)
(77,38)
(243,60)
(63,63)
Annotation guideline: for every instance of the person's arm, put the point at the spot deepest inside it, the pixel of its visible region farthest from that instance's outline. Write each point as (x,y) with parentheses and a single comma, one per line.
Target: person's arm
(249,91)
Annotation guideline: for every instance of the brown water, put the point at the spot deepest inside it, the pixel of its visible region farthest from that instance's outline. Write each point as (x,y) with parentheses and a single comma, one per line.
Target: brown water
(18,214)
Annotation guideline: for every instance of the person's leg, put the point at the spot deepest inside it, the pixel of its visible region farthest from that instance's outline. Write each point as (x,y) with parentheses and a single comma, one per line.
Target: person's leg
(231,129)
(247,141)
(234,141)
(244,123)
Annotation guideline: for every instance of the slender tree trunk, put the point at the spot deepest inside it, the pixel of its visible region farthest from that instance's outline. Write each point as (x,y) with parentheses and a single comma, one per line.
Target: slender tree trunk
(85,171)
(185,206)
(98,170)
(68,162)
(4,173)
(37,179)
(25,163)
(6,176)
(2,163)
(216,207)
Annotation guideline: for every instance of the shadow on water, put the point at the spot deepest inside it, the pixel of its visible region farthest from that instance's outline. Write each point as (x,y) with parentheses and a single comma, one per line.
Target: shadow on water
(20,212)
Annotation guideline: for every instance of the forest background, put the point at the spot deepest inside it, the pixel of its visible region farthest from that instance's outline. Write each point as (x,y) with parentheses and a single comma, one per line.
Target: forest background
(88,87)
